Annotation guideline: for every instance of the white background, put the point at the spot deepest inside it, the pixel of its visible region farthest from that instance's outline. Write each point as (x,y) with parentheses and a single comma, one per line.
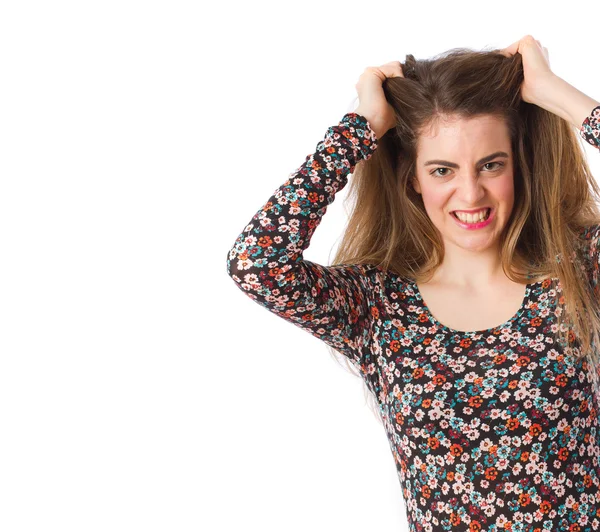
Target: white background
(140,389)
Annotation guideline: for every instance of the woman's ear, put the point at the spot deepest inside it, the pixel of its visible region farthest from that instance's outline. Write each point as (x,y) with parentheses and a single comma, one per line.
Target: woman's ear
(416,185)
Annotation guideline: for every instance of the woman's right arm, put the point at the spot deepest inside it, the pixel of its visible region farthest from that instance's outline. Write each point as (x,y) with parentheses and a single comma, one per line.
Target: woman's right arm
(333,303)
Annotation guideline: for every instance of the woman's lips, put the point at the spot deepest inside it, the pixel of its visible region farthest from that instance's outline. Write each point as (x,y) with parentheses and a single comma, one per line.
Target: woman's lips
(472,211)
(474,225)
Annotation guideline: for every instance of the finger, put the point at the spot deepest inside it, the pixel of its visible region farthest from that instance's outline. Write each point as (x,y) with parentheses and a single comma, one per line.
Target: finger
(393,69)
(398,69)
(511,50)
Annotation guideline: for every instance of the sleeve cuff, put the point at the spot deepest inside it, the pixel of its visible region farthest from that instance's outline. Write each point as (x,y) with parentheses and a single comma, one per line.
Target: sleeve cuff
(367,140)
(590,128)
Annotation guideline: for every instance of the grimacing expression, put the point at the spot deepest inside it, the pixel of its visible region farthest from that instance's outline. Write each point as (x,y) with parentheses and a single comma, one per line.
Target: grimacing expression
(466,164)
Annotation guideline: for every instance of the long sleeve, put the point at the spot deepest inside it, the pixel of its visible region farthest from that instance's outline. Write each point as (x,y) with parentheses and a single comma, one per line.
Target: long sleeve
(266,260)
(590,128)
(590,131)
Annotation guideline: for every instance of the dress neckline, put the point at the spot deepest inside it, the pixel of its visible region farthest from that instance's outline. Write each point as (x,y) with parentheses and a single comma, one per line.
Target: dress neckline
(507,323)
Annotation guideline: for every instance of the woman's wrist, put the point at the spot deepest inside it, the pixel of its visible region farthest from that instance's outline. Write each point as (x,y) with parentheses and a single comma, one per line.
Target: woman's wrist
(564,100)
(376,127)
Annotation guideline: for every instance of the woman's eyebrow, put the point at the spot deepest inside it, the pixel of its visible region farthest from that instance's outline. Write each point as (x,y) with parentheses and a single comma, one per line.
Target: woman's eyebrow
(484,160)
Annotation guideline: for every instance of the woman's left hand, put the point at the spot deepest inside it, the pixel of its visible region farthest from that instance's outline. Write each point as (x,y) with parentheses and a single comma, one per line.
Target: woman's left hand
(536,67)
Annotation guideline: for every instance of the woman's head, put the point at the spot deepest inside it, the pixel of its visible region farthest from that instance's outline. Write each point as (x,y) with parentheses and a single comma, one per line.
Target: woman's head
(460,107)
(464,169)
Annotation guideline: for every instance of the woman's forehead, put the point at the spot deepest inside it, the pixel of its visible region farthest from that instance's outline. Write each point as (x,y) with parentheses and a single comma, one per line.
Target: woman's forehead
(462,133)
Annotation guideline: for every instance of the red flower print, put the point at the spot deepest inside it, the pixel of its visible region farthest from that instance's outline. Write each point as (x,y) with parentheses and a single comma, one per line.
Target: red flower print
(491,473)
(513,423)
(456,449)
(274,272)
(475,401)
(438,380)
(434,443)
(563,454)
(313,197)
(524,499)
(264,241)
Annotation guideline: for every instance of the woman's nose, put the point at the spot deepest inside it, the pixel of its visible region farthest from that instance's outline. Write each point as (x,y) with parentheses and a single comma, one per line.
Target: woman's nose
(471,188)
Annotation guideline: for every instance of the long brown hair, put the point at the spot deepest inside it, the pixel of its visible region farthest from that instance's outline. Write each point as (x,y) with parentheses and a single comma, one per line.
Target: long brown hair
(556,196)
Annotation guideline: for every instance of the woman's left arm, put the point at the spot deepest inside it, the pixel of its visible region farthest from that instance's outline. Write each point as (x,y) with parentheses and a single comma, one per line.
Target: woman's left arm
(564,100)
(545,89)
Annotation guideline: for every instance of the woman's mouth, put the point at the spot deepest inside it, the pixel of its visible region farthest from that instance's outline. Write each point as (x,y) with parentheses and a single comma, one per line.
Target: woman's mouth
(477,221)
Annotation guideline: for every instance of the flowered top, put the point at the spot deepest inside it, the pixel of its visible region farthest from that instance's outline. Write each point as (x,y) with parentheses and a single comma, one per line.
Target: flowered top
(494,429)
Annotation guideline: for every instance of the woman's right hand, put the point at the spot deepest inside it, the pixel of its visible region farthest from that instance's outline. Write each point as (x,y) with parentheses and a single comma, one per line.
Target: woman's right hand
(372,103)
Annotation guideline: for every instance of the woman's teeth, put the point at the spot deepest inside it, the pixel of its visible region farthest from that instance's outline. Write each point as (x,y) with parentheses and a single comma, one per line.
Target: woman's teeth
(472,218)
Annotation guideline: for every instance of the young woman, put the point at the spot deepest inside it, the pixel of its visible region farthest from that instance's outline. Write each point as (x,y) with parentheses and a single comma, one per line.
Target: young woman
(466,289)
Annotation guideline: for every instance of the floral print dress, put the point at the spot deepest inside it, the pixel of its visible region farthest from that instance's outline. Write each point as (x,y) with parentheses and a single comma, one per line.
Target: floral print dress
(495,429)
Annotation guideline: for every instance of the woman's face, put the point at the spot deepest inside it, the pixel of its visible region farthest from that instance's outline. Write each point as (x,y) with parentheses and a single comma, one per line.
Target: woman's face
(466,164)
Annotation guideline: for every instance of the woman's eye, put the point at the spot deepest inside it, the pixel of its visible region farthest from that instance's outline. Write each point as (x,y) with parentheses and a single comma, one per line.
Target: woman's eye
(495,162)
(434,174)
(498,163)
